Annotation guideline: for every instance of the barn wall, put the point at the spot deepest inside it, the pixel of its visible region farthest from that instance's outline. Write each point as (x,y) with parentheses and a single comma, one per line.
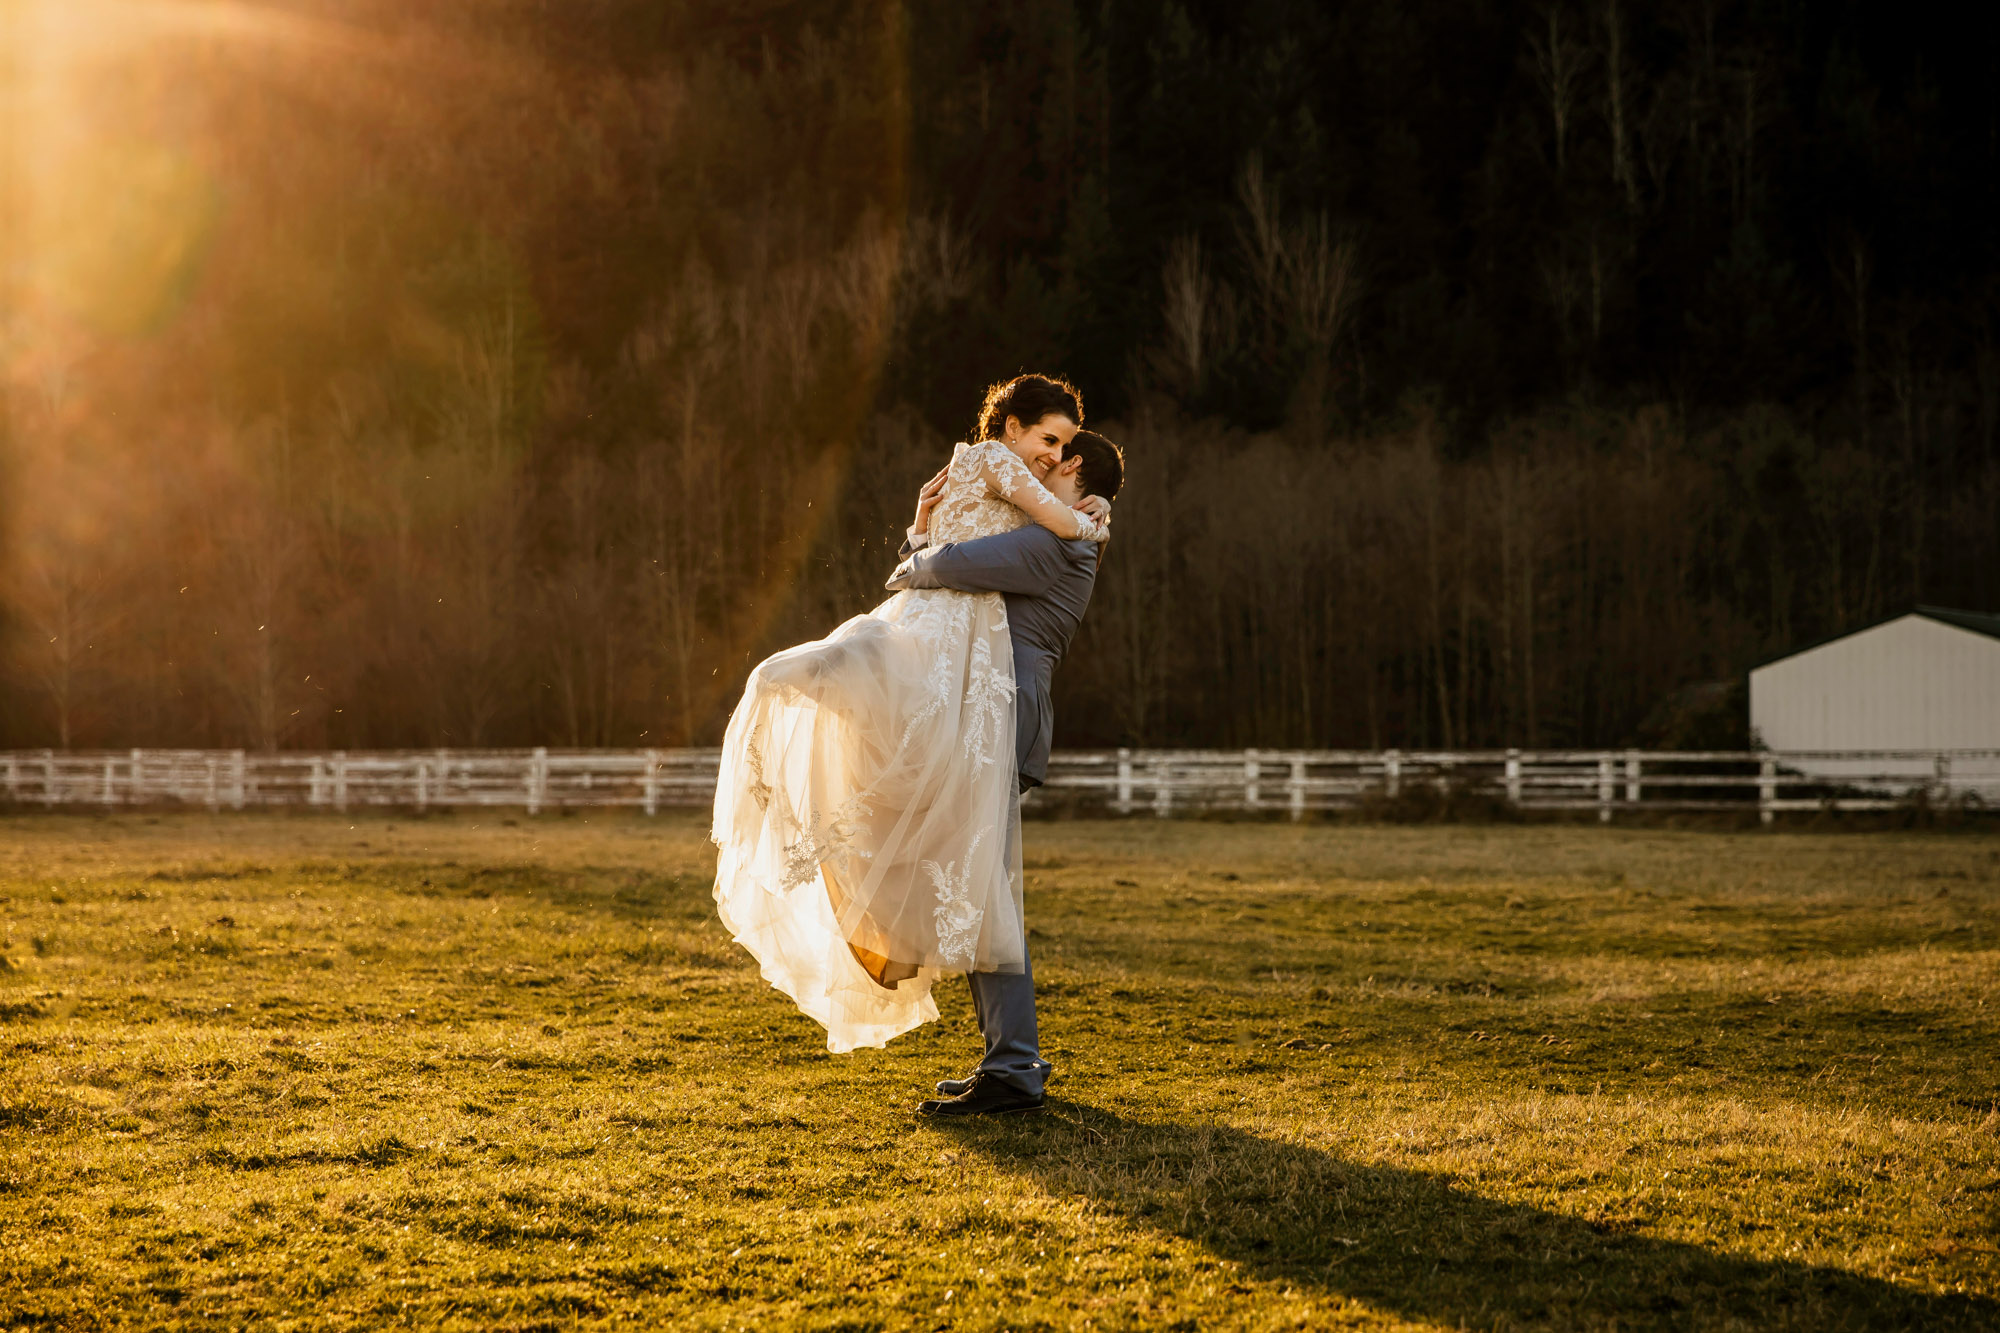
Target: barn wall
(1910,684)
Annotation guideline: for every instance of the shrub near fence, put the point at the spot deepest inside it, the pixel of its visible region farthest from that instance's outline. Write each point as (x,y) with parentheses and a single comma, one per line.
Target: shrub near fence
(1160,782)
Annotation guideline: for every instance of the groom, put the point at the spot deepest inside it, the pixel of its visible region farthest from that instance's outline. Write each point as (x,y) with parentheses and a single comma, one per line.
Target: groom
(1047,582)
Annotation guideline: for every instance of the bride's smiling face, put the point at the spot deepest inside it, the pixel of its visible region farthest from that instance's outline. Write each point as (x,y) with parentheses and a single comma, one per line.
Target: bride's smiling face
(1040,446)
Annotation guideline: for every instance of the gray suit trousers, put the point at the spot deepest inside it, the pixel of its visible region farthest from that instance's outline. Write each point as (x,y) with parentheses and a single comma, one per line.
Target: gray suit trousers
(1004,1004)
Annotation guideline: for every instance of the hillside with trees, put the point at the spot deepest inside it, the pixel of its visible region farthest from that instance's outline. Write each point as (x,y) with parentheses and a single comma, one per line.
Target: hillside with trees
(520,373)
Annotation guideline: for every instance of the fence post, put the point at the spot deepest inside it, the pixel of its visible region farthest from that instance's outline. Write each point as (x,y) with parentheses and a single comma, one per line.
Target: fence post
(537,779)
(13,778)
(316,794)
(1252,770)
(1392,772)
(211,790)
(1163,790)
(1767,789)
(1124,782)
(1604,785)
(340,780)
(48,777)
(1298,788)
(237,778)
(110,776)
(1513,777)
(1632,777)
(652,782)
(1942,766)
(422,781)
(137,792)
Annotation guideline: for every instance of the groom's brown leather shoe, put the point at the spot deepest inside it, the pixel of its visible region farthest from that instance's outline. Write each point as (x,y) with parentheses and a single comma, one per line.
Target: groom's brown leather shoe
(952,1087)
(986,1096)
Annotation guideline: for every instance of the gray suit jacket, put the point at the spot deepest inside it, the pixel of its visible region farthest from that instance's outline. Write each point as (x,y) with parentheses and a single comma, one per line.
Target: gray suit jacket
(1047,582)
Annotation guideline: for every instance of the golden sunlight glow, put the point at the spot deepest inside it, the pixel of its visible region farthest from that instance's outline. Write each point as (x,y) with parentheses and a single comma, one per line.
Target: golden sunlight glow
(302,300)
(112,211)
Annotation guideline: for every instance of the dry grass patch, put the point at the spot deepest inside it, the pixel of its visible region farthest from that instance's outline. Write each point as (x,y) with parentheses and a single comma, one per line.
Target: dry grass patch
(479,1073)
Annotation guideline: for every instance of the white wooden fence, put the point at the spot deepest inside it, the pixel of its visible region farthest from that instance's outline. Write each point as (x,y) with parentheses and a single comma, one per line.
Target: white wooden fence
(1160,782)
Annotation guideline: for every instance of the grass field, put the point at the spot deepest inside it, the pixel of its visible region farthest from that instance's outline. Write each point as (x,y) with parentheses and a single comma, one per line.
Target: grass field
(272,1071)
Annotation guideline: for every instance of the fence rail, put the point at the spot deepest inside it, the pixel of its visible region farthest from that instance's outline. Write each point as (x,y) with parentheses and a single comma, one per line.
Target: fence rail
(1162,782)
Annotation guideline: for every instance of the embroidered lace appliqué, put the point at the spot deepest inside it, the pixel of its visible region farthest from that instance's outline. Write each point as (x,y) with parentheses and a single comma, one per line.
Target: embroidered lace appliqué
(827,840)
(985,488)
(989,692)
(942,616)
(969,508)
(957,919)
(760,790)
(802,860)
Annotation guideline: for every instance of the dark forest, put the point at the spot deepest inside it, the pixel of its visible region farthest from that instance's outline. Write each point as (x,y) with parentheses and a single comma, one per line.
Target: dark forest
(512,373)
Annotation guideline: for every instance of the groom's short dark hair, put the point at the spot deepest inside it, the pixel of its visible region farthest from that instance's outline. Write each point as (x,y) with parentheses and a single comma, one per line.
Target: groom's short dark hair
(1103,470)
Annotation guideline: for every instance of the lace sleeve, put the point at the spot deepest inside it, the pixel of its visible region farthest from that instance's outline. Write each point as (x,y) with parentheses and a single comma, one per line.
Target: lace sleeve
(1008,477)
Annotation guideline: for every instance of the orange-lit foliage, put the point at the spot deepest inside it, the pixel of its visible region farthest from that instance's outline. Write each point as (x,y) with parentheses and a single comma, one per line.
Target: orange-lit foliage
(315,312)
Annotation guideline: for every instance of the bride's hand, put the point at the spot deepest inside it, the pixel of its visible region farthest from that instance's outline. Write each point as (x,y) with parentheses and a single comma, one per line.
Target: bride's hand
(1096,506)
(927,497)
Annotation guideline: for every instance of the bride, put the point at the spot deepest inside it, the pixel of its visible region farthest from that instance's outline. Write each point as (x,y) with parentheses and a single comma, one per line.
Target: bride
(867,818)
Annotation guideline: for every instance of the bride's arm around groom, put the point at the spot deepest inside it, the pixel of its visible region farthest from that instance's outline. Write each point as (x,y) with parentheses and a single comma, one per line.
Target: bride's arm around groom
(1047,581)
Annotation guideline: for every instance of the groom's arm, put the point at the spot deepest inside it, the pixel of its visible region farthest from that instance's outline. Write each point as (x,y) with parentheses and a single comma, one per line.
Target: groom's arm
(1027,560)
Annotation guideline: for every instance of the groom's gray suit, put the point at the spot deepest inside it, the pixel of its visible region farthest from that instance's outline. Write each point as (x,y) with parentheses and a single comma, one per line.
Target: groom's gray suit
(1047,583)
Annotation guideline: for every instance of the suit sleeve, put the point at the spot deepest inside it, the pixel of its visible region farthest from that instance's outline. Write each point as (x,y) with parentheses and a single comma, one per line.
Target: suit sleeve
(1027,560)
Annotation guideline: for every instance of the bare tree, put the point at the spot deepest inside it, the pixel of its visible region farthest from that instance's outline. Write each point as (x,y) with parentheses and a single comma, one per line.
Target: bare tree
(1614,69)
(1742,132)
(262,562)
(578,607)
(1190,300)
(65,612)
(1322,275)
(1558,63)
(1852,267)
(1260,237)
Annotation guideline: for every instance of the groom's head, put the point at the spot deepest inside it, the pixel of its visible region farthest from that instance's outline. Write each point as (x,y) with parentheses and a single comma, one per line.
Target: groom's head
(1091,465)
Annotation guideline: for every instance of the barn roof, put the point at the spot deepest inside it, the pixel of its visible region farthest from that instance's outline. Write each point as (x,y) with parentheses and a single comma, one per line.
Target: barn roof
(1979,622)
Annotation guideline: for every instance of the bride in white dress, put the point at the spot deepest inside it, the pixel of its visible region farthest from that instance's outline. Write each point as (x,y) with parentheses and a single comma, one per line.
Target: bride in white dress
(867,816)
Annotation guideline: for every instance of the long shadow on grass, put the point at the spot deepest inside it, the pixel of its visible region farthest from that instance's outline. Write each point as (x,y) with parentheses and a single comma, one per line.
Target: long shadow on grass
(1422,1246)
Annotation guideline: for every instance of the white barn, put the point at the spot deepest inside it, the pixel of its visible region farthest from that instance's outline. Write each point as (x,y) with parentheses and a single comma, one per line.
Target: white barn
(1929,680)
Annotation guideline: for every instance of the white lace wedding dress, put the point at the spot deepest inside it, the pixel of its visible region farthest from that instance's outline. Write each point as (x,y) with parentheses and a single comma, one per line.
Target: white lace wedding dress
(867,818)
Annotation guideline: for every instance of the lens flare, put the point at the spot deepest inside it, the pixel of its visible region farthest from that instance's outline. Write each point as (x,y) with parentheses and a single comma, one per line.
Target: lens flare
(398,349)
(109,205)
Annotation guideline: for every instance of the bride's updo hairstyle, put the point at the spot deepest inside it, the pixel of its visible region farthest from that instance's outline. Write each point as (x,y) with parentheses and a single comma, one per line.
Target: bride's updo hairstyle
(1027,399)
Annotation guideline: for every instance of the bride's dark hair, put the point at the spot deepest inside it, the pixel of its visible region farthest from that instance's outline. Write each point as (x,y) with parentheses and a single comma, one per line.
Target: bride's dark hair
(1027,398)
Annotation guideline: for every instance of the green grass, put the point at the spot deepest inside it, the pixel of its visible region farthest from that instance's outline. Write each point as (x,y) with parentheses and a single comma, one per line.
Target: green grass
(284,1071)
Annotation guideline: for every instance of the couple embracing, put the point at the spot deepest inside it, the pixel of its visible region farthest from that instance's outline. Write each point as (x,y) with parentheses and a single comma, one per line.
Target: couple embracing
(867,817)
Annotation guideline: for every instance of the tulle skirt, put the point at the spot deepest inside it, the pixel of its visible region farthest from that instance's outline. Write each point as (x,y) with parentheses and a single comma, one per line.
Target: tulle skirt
(867,816)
